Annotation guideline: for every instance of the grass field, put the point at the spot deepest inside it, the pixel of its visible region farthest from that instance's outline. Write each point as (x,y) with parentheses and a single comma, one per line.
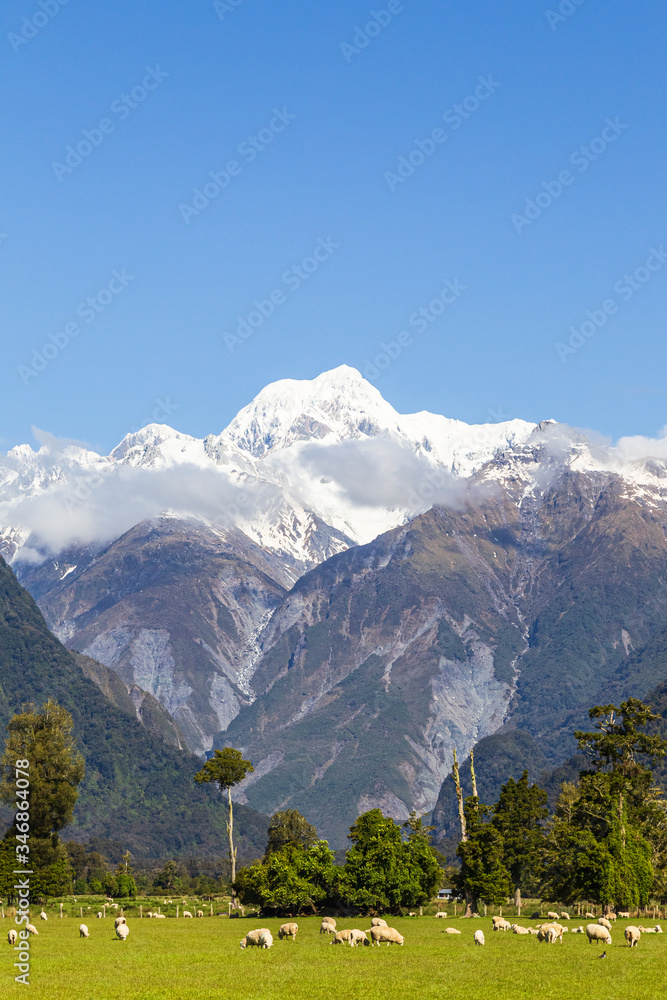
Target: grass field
(201,959)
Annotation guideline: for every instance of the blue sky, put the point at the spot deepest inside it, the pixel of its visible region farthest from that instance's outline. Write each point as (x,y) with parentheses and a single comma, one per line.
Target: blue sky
(305,112)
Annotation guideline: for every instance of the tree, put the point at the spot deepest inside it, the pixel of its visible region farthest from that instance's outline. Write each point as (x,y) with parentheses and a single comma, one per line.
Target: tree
(483,875)
(289,827)
(226,768)
(125,884)
(382,871)
(291,879)
(519,816)
(46,740)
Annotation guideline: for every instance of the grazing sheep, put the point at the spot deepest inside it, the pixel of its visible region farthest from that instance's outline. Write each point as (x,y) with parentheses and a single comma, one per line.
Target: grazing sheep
(441,915)
(342,937)
(122,931)
(565,916)
(31,929)
(252,937)
(479,937)
(452,930)
(554,916)
(624,914)
(550,933)
(603,922)
(358,937)
(611,916)
(43,916)
(186,913)
(534,931)
(379,922)
(517,929)
(83,931)
(200,913)
(118,921)
(598,932)
(288,930)
(589,914)
(388,934)
(12,936)
(265,939)
(160,916)
(328,925)
(499,924)
(99,915)
(632,935)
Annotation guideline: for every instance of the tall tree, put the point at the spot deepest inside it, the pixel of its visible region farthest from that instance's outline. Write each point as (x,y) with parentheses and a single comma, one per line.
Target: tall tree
(226,768)
(519,815)
(483,875)
(289,827)
(45,739)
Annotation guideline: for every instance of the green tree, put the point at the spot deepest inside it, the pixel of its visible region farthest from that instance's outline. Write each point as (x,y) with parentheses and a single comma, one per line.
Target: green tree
(46,740)
(289,827)
(519,815)
(483,875)
(226,768)
(291,880)
(384,872)
(170,878)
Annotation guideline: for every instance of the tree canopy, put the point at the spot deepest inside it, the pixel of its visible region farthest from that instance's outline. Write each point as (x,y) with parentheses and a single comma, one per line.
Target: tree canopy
(289,827)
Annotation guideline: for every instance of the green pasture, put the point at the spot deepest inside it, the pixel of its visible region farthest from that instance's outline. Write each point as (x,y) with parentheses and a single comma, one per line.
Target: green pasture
(200,959)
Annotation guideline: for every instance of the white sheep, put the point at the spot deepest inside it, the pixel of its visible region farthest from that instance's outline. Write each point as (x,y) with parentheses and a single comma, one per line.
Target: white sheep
(598,932)
(358,937)
(252,937)
(99,915)
(589,914)
(43,916)
(342,937)
(518,929)
(479,937)
(200,913)
(31,929)
(611,916)
(499,924)
(288,930)
(441,915)
(160,916)
(632,935)
(564,915)
(550,933)
(328,925)
(554,916)
(83,931)
(452,930)
(534,931)
(603,922)
(118,921)
(578,930)
(379,922)
(186,913)
(651,930)
(388,934)
(122,931)
(12,936)
(265,939)
(624,914)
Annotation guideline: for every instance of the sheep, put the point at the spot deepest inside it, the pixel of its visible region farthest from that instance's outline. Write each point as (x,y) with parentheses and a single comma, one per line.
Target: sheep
(564,915)
(624,914)
(118,921)
(328,926)
(99,915)
(388,934)
(252,937)
(479,937)
(632,935)
(379,922)
(452,930)
(590,915)
(43,916)
(358,937)
(598,932)
(288,930)
(122,931)
(83,931)
(554,916)
(517,929)
(441,915)
(31,929)
(651,930)
(603,922)
(611,916)
(499,924)
(578,930)
(265,939)
(536,915)
(534,931)
(550,933)
(160,916)
(342,937)
(200,913)
(186,913)
(12,936)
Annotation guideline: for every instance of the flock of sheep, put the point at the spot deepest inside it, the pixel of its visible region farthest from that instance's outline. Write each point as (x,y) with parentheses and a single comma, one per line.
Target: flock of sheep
(380,933)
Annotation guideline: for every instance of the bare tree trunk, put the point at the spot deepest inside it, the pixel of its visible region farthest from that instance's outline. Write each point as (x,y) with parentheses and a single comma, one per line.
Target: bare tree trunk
(473,779)
(459,798)
(230,834)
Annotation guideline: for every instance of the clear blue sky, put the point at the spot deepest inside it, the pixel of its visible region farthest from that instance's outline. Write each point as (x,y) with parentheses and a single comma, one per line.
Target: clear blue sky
(202,80)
